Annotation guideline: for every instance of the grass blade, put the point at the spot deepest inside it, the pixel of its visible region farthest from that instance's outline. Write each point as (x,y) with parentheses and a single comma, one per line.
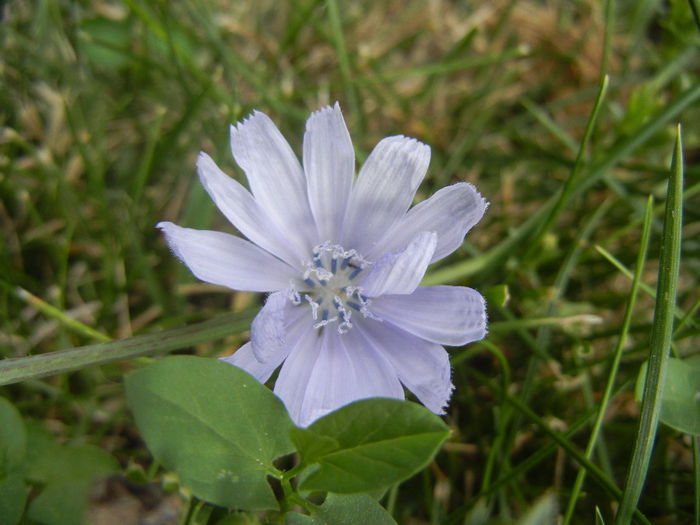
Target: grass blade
(696,474)
(599,517)
(651,292)
(492,259)
(560,439)
(564,196)
(54,313)
(695,8)
(661,335)
(19,369)
(641,257)
(343,59)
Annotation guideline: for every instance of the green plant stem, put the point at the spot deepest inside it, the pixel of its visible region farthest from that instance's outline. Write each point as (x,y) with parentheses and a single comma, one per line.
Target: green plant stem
(291,497)
(661,337)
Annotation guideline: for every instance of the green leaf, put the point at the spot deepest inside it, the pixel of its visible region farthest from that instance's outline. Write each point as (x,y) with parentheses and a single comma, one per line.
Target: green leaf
(351,509)
(294,518)
(13,497)
(67,474)
(239,519)
(215,425)
(368,445)
(13,437)
(344,509)
(680,400)
(13,445)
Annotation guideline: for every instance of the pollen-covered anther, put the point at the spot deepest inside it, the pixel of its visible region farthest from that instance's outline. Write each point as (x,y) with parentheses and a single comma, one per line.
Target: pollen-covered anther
(330,286)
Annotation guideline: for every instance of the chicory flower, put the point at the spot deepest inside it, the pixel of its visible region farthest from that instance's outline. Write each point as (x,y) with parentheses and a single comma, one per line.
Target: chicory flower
(342,257)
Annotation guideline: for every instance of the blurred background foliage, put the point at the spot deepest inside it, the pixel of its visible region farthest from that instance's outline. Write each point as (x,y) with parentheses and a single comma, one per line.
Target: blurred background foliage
(104,107)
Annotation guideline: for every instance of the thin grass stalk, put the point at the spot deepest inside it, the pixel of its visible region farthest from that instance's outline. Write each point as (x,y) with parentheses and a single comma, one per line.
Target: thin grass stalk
(651,292)
(608,35)
(338,36)
(599,517)
(567,190)
(54,313)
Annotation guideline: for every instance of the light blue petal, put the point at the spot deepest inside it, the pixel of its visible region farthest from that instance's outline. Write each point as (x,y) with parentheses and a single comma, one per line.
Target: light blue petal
(402,272)
(274,333)
(347,369)
(332,379)
(269,328)
(278,322)
(447,315)
(327,370)
(227,260)
(384,190)
(243,211)
(275,177)
(451,213)
(245,359)
(294,375)
(329,163)
(423,367)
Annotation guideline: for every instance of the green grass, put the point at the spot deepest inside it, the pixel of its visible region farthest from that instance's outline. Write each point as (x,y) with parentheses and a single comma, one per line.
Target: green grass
(104,107)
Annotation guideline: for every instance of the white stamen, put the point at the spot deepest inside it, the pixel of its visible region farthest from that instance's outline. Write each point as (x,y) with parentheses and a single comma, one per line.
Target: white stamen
(331,288)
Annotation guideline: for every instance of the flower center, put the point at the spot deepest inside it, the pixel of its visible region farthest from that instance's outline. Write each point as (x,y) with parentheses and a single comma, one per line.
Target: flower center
(329,286)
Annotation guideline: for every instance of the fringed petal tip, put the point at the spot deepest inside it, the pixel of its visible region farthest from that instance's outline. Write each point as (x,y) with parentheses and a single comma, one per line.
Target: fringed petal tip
(169,229)
(439,401)
(335,109)
(250,118)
